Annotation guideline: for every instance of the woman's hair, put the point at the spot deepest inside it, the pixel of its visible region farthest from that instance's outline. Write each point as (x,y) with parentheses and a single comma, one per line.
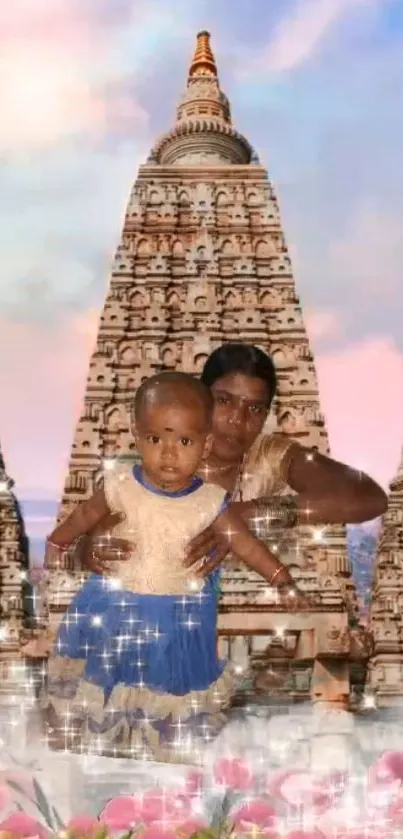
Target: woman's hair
(240,358)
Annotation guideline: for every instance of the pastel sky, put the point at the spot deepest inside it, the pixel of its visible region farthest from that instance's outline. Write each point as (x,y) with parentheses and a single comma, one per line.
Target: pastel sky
(85,88)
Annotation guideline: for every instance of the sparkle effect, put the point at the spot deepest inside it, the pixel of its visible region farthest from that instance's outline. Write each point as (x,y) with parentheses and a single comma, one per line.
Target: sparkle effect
(187,734)
(130,634)
(254,797)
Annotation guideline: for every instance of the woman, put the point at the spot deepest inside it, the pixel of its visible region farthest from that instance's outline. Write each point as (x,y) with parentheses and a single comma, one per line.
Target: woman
(257,468)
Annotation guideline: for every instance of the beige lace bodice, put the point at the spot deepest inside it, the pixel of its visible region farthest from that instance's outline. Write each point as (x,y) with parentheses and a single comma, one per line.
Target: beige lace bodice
(266,466)
(160,528)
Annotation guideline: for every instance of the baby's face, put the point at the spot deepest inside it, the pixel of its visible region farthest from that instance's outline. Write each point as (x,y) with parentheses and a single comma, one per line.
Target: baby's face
(171,439)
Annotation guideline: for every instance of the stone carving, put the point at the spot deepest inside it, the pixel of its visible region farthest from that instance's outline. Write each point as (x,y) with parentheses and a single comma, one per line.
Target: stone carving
(203,260)
(13,571)
(332,642)
(385,675)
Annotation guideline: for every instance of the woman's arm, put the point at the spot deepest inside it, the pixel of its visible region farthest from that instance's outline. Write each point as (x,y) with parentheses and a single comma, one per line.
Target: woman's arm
(330,492)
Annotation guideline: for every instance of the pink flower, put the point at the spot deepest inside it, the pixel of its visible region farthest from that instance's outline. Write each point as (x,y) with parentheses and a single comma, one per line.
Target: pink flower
(301,789)
(83,825)
(254,814)
(297,789)
(380,797)
(158,831)
(165,807)
(386,769)
(305,834)
(233,773)
(364,834)
(23,826)
(395,812)
(194,782)
(275,780)
(121,813)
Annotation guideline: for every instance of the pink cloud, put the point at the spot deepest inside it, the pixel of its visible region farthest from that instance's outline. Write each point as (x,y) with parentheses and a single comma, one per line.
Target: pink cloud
(39,20)
(361,390)
(52,76)
(322,324)
(42,381)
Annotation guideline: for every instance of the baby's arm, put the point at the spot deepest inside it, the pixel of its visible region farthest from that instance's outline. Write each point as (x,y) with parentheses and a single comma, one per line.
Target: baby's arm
(81,520)
(254,553)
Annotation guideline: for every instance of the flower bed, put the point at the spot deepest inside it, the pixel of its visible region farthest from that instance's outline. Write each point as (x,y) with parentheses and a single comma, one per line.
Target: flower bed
(232,800)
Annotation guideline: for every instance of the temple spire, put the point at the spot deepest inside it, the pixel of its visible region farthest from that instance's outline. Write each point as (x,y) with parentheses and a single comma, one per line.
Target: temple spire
(397,480)
(399,474)
(6,484)
(203,63)
(385,674)
(14,562)
(203,130)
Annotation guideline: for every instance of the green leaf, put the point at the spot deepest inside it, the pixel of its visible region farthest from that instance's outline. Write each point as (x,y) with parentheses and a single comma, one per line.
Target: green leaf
(102,833)
(42,803)
(16,787)
(46,814)
(59,823)
(202,834)
(222,810)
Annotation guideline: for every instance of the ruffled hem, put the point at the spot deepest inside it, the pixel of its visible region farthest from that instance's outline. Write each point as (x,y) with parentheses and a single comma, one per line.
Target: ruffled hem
(135,721)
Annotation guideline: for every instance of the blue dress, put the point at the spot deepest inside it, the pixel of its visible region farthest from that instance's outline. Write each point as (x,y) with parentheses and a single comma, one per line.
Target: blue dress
(135,668)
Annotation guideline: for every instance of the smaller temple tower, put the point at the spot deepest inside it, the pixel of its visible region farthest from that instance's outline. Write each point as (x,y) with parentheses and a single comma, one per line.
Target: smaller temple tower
(14,565)
(385,676)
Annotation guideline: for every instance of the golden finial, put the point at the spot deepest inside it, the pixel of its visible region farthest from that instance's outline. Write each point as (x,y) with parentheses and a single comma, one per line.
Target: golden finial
(203,63)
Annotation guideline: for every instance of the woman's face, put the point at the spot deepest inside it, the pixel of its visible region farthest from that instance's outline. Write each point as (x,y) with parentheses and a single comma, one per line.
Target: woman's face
(241,405)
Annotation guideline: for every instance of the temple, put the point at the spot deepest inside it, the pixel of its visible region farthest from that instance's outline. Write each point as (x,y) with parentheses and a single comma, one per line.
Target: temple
(385,675)
(202,260)
(14,595)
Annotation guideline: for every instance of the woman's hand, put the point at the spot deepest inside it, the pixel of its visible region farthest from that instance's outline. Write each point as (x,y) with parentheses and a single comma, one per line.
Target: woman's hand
(101,549)
(207,545)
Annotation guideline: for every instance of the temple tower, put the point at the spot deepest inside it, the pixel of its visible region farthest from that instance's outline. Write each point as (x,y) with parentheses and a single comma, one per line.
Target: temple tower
(13,572)
(202,260)
(385,677)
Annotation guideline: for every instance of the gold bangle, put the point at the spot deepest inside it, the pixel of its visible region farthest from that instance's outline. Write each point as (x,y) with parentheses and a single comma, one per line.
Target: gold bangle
(60,548)
(276,573)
